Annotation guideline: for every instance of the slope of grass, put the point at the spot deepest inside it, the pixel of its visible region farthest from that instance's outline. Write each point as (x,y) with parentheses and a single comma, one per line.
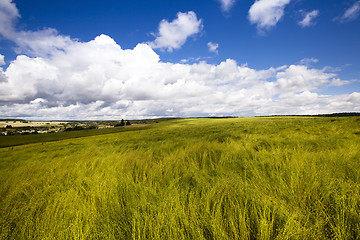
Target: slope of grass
(252,178)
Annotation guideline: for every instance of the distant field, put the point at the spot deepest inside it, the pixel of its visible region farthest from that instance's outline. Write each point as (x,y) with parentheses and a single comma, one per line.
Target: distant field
(241,178)
(29,123)
(16,140)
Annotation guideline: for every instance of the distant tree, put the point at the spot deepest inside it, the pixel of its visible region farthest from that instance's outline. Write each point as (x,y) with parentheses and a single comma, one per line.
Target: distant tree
(120,124)
(128,123)
(92,127)
(77,128)
(8,126)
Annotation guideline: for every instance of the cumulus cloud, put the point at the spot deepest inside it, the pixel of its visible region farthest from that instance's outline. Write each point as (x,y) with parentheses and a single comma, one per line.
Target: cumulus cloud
(99,79)
(267,13)
(41,43)
(213,47)
(351,13)
(299,78)
(308,19)
(173,35)
(226,5)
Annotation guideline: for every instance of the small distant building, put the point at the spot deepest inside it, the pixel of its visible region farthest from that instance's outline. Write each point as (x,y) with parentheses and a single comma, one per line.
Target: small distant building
(28,131)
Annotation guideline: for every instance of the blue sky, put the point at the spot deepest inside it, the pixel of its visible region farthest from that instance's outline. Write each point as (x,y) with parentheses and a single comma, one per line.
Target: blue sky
(138,59)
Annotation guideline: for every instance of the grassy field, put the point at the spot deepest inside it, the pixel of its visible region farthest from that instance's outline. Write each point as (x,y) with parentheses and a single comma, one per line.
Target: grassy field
(15,140)
(23,123)
(246,178)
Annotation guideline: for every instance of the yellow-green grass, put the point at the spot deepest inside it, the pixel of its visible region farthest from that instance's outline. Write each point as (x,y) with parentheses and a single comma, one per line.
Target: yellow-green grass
(247,178)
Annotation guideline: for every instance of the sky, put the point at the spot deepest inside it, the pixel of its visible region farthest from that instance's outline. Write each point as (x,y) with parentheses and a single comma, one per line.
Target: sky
(113,59)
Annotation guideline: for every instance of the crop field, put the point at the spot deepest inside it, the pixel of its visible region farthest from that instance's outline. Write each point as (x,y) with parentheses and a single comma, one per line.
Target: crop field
(238,178)
(15,140)
(27,123)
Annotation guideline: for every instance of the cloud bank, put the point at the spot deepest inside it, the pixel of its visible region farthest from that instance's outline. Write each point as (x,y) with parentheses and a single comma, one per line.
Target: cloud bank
(99,79)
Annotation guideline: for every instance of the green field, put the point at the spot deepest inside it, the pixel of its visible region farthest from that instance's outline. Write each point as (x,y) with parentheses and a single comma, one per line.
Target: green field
(241,178)
(15,140)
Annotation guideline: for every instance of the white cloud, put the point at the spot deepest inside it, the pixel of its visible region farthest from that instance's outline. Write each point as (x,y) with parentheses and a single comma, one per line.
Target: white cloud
(2,79)
(41,43)
(173,35)
(2,61)
(298,78)
(8,15)
(213,47)
(351,13)
(36,43)
(338,82)
(313,103)
(99,79)
(194,59)
(226,5)
(308,19)
(308,61)
(267,13)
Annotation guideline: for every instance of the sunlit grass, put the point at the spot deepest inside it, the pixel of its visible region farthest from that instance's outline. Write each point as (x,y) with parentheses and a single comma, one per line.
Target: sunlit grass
(251,178)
